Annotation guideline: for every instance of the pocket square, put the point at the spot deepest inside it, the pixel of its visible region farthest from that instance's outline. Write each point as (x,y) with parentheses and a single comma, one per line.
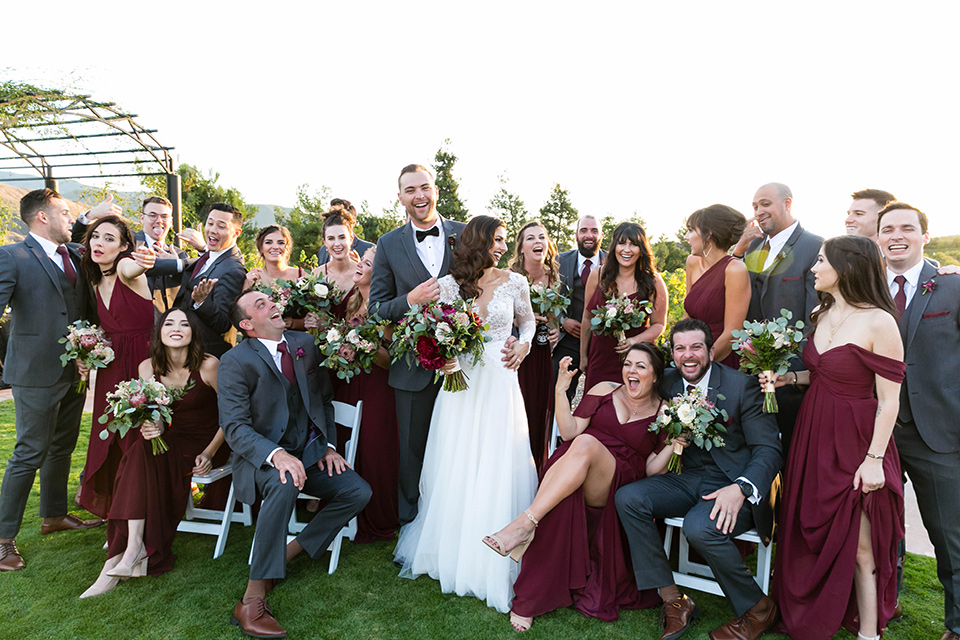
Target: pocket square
(791,278)
(934,314)
(311,372)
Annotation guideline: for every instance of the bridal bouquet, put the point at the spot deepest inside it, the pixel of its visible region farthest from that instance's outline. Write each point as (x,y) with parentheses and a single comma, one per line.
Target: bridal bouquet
(307,293)
(619,315)
(547,301)
(435,332)
(767,347)
(694,417)
(88,344)
(137,401)
(351,347)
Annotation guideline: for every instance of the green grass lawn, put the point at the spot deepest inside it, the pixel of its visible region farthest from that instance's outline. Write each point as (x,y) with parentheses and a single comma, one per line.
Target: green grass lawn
(363,599)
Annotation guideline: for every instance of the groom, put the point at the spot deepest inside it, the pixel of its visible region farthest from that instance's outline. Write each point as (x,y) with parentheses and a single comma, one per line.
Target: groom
(408,262)
(721,493)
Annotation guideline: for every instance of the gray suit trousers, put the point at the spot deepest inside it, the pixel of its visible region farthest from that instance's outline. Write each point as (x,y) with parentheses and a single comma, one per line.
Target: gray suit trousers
(48,424)
(347,494)
(640,504)
(414,410)
(936,478)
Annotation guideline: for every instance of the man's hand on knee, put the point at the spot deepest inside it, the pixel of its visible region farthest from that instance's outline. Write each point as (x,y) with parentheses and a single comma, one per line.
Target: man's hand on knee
(286,463)
(728,501)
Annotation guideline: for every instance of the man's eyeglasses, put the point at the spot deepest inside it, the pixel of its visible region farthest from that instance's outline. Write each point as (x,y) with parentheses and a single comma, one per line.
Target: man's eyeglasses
(154,216)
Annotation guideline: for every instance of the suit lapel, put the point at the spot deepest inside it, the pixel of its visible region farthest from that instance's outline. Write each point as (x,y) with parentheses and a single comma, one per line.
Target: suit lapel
(299,371)
(914,313)
(450,232)
(45,261)
(264,354)
(407,240)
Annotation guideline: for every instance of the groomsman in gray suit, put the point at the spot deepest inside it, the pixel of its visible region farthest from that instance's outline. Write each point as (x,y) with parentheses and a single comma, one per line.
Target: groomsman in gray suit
(41,280)
(779,253)
(408,262)
(276,412)
(928,432)
(575,266)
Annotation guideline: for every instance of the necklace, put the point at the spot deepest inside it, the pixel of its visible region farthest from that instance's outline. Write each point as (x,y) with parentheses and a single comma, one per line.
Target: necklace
(835,327)
(630,405)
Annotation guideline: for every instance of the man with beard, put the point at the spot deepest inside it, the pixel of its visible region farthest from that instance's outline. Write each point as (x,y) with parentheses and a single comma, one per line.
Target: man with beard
(575,268)
(41,280)
(928,433)
(721,493)
(779,253)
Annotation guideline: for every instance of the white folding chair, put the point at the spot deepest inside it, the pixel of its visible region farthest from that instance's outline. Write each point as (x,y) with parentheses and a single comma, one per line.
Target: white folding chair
(348,416)
(212,522)
(554,437)
(699,576)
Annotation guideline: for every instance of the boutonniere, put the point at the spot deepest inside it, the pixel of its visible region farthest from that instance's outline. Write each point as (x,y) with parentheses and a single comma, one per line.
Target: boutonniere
(928,287)
(82,249)
(300,352)
(452,240)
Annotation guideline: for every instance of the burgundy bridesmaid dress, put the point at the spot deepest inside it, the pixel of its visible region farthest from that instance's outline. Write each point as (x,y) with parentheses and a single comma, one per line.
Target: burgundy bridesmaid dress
(128,323)
(155,488)
(536,385)
(579,556)
(707,299)
(820,512)
(603,362)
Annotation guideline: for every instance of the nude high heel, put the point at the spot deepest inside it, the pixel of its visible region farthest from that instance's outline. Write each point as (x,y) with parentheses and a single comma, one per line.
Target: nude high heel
(137,570)
(521,548)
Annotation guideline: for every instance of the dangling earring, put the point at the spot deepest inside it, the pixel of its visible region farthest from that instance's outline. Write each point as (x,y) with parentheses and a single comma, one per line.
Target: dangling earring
(706,251)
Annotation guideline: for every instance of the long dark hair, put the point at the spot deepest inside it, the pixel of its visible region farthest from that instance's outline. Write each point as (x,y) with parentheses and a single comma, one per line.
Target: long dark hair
(643,270)
(159,359)
(472,256)
(90,268)
(719,224)
(550,264)
(861,276)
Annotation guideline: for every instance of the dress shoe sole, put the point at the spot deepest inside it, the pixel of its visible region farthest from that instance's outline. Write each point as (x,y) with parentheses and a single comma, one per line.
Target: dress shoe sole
(693,616)
(236,623)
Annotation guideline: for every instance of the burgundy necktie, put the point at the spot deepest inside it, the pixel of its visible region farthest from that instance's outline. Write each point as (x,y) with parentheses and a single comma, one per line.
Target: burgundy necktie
(691,387)
(901,298)
(286,364)
(585,274)
(198,265)
(68,269)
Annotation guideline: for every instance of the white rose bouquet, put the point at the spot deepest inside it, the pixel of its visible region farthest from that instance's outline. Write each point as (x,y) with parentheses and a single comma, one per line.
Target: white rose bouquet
(695,418)
(620,314)
(139,401)
(768,347)
(89,344)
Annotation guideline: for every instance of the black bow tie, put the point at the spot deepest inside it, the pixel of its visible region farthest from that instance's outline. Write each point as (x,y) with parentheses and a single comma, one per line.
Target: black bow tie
(434,231)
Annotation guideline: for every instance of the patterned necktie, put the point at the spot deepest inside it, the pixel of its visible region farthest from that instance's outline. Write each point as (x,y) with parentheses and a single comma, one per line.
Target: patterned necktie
(901,298)
(286,364)
(198,266)
(68,269)
(587,266)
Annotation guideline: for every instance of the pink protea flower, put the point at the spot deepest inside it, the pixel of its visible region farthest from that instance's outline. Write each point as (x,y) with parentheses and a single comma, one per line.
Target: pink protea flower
(137,399)
(88,340)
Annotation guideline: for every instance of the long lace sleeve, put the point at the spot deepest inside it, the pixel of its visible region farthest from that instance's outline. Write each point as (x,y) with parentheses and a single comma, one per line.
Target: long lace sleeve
(522,310)
(449,289)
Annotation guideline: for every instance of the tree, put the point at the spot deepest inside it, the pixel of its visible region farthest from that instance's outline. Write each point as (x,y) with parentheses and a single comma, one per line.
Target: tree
(370,226)
(305,221)
(511,210)
(449,204)
(558,217)
(670,254)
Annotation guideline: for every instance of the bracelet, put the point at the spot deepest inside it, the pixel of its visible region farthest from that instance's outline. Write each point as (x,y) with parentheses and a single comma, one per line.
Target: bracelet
(736,257)
(874,456)
(795,379)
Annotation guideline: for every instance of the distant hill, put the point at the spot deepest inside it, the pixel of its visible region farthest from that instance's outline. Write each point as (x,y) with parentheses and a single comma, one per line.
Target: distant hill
(945,249)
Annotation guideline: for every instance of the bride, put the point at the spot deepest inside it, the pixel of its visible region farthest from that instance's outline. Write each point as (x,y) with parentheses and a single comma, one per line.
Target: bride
(478,471)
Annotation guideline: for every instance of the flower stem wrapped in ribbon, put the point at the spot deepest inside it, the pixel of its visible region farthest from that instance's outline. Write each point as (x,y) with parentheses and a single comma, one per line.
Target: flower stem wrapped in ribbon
(693,416)
(351,346)
(435,332)
(618,315)
(138,401)
(88,344)
(767,347)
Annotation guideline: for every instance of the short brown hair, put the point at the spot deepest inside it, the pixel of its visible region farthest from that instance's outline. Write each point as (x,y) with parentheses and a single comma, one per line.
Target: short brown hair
(156,200)
(881,197)
(228,208)
(35,202)
(413,168)
(894,206)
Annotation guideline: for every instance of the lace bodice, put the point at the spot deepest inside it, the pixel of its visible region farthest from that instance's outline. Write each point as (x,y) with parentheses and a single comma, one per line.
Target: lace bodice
(509,301)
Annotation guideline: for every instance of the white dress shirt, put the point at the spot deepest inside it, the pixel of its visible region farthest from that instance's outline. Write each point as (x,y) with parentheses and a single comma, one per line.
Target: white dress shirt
(431,249)
(912,275)
(213,258)
(50,248)
(582,260)
(777,243)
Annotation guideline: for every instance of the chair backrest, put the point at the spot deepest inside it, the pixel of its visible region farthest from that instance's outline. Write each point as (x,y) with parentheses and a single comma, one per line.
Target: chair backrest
(349,416)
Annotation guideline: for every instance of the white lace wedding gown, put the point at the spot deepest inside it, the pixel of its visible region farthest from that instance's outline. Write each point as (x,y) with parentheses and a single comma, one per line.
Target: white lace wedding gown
(478,472)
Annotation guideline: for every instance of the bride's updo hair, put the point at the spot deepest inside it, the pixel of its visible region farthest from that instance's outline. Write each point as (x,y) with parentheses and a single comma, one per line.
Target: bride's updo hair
(472,256)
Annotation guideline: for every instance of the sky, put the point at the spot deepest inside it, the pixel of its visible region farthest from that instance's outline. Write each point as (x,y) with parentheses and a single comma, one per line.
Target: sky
(654,108)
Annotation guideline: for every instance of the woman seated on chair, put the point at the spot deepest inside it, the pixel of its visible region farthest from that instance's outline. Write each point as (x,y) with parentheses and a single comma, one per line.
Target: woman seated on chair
(151,491)
(607,443)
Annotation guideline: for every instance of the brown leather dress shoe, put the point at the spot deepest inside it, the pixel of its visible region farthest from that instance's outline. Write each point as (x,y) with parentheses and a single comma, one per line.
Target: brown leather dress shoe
(10,558)
(69,522)
(951,635)
(256,619)
(676,616)
(751,624)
